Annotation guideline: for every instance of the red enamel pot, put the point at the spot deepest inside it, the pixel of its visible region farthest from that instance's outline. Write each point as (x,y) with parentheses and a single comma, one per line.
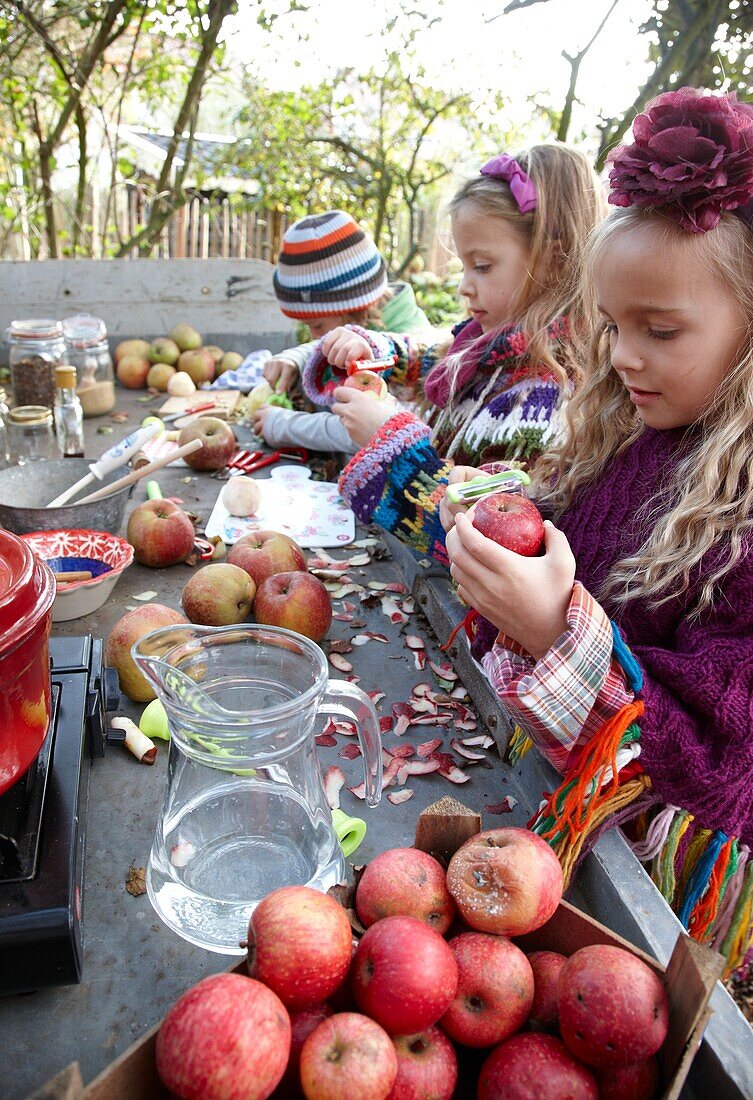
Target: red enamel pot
(27,591)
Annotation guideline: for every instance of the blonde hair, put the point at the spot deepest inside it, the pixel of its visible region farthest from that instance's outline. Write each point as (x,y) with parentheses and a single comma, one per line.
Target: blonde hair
(569,203)
(709,500)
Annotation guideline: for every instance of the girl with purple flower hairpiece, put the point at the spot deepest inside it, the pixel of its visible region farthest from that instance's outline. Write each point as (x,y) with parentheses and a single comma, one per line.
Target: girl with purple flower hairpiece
(625,652)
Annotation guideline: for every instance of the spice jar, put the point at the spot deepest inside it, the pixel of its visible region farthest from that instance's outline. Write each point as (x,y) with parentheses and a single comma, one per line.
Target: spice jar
(4,457)
(31,434)
(36,348)
(87,349)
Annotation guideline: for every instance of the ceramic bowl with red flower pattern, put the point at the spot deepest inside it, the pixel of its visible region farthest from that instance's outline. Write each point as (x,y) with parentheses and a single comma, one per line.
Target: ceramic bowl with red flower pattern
(103,555)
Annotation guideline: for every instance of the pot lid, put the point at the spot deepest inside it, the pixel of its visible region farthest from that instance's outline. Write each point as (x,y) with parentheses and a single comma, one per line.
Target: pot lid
(27,589)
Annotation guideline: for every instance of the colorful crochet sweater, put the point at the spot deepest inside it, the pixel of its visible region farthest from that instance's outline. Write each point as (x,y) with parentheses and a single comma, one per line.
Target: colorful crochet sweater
(677,705)
(500,410)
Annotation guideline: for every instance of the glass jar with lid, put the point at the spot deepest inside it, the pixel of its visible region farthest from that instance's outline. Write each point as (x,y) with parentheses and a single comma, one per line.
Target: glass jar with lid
(88,351)
(31,434)
(36,348)
(4,458)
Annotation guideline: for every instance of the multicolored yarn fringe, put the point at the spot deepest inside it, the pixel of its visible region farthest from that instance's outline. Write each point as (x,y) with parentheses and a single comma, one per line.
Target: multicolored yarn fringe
(704,875)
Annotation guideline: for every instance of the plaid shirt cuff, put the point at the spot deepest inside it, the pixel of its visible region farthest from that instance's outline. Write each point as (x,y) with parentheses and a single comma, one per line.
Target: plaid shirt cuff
(563,699)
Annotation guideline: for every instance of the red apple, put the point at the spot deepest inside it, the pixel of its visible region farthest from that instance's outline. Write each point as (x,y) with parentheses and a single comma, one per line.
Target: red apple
(139,348)
(403,975)
(160,533)
(405,882)
(297,601)
(637,1081)
(546,966)
(348,1056)
(301,1025)
(198,364)
(534,1066)
(132,370)
(227,1038)
(129,629)
(427,1066)
(505,881)
(264,553)
(511,520)
(366,381)
(612,1007)
(219,595)
(495,990)
(217,443)
(299,944)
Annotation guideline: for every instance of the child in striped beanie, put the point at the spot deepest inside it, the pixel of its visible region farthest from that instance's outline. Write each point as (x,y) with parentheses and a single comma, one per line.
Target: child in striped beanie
(329,273)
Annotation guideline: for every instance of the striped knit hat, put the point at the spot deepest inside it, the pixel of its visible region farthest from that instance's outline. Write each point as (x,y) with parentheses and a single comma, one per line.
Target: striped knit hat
(328,265)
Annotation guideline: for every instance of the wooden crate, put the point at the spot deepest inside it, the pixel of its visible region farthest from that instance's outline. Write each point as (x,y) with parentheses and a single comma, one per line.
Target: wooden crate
(689,979)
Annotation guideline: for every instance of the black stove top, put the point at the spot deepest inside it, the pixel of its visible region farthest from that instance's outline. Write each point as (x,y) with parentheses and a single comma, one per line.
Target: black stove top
(42,826)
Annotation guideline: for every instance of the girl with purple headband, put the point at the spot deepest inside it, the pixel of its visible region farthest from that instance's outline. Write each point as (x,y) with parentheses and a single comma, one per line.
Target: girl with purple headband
(625,652)
(519,228)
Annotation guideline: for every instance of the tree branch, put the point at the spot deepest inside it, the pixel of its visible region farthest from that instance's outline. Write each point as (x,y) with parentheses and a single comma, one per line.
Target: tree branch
(575,63)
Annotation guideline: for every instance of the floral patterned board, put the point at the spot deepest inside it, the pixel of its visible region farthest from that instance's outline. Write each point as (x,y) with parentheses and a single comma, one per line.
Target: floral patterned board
(311,512)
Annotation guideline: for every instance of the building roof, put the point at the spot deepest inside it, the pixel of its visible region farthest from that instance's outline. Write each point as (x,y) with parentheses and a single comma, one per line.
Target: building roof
(207,153)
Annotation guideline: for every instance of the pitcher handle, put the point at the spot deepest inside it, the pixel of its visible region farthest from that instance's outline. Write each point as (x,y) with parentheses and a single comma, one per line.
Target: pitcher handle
(363,713)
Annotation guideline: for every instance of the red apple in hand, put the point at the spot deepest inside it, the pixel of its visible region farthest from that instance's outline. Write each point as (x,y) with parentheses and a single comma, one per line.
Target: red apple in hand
(612,1007)
(264,553)
(299,944)
(505,881)
(511,520)
(348,1056)
(227,1038)
(546,966)
(366,381)
(427,1066)
(217,443)
(297,601)
(533,1066)
(160,533)
(405,882)
(403,975)
(219,595)
(495,990)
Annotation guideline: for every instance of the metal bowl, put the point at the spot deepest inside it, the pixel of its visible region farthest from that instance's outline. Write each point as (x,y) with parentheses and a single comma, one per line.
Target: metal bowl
(25,490)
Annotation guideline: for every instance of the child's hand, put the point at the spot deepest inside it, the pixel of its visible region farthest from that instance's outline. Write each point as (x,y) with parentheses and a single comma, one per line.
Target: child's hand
(525,598)
(361,413)
(341,346)
(448,511)
(280,373)
(260,416)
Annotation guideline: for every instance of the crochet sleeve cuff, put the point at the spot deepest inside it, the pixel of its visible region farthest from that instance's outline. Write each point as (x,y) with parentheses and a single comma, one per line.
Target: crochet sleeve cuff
(320,378)
(398,481)
(561,700)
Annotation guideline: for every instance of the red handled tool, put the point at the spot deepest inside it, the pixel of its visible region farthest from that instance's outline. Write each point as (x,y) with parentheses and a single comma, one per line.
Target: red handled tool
(376,365)
(248,461)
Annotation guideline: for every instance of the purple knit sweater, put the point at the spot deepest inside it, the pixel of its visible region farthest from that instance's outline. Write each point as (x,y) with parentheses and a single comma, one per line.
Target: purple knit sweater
(697,730)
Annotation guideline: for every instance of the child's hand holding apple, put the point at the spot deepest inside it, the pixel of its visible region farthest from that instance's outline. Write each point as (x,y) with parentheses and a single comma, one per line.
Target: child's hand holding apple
(341,346)
(362,411)
(526,597)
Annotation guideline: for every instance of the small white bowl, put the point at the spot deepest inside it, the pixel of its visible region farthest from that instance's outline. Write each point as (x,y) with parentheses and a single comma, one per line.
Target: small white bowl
(105,555)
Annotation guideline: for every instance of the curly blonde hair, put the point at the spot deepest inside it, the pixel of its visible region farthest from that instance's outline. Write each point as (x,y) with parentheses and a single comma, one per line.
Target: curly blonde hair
(708,503)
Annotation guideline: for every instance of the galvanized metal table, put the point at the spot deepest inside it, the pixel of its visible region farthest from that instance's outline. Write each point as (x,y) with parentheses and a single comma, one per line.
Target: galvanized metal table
(135,968)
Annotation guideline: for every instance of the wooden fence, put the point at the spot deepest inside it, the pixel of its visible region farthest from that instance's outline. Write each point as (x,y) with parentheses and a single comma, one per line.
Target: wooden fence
(207,226)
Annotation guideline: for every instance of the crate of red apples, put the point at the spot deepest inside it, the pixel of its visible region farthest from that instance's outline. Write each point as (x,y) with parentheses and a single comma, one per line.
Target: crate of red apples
(450,969)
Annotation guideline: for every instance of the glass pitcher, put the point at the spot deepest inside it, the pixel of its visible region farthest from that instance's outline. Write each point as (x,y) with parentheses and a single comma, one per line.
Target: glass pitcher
(244,809)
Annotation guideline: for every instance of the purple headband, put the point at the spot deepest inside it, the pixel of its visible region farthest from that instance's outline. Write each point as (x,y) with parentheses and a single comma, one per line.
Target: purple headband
(691,158)
(522,187)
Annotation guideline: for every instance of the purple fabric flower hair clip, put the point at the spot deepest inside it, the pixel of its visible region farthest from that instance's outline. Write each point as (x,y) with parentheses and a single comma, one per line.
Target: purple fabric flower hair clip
(522,187)
(692,156)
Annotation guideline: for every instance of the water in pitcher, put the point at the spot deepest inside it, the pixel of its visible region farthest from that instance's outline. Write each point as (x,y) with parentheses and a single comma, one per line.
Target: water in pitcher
(244,809)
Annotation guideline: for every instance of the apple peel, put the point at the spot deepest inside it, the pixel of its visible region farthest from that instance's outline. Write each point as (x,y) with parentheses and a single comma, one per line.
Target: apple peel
(334,781)
(398,797)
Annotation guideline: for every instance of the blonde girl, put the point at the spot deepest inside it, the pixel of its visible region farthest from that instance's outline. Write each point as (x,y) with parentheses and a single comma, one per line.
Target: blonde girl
(625,652)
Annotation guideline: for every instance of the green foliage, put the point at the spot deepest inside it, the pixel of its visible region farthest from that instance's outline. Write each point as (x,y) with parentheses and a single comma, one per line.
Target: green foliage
(438,298)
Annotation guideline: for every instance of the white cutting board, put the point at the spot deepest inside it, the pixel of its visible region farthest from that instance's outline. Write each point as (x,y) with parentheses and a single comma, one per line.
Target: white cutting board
(311,512)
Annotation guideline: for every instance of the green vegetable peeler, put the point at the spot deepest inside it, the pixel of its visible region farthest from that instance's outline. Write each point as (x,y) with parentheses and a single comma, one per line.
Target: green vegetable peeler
(468,492)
